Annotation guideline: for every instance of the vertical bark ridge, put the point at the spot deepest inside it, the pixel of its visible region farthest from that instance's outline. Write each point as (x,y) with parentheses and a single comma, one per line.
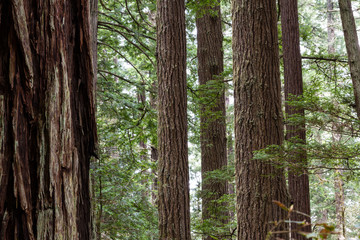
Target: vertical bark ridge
(258,116)
(173,204)
(49,102)
(295,133)
(213,129)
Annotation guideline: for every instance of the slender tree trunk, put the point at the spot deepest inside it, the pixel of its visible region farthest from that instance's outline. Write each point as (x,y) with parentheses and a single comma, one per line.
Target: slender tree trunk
(352,47)
(173,205)
(213,129)
(47,121)
(330,27)
(338,182)
(154,158)
(295,132)
(340,204)
(154,155)
(258,117)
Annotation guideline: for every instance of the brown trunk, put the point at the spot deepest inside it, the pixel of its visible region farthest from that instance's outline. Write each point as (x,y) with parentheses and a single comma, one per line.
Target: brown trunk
(295,132)
(352,47)
(213,129)
(173,172)
(338,182)
(258,117)
(47,123)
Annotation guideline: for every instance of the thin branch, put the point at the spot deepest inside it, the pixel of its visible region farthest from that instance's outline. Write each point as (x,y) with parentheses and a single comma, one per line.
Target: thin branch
(135,45)
(324,59)
(133,18)
(104,6)
(141,15)
(120,23)
(120,77)
(128,61)
(108,26)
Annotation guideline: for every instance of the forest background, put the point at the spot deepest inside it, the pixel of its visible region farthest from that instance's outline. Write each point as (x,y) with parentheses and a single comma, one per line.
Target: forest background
(179,119)
(125,174)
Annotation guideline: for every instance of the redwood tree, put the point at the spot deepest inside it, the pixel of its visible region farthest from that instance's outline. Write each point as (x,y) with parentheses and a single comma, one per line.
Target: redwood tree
(173,169)
(295,131)
(258,116)
(47,118)
(213,126)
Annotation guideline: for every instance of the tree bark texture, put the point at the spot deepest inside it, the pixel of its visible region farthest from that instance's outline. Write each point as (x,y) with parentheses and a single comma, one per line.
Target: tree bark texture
(173,204)
(213,129)
(352,47)
(258,117)
(47,118)
(296,133)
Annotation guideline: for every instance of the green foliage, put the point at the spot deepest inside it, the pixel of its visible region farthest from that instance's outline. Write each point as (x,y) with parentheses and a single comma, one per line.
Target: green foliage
(124,174)
(214,226)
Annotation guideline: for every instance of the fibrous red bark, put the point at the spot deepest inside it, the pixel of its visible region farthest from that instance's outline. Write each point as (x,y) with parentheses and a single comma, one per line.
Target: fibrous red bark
(47,122)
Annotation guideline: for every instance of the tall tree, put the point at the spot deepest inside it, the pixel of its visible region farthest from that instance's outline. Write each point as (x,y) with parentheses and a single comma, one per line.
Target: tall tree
(352,47)
(173,169)
(47,120)
(258,116)
(213,127)
(336,137)
(295,131)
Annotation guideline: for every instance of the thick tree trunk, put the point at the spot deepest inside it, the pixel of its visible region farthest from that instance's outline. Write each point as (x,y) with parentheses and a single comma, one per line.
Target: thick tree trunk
(352,47)
(296,133)
(47,121)
(213,129)
(258,117)
(173,204)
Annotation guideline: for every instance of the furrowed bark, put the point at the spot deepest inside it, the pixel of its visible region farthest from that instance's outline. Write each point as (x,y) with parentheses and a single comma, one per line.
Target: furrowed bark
(296,133)
(258,117)
(48,119)
(173,169)
(213,129)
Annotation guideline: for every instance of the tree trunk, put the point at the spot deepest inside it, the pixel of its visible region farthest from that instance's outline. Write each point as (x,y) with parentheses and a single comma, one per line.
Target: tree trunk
(352,47)
(330,27)
(47,121)
(173,205)
(258,117)
(295,132)
(213,129)
(338,182)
